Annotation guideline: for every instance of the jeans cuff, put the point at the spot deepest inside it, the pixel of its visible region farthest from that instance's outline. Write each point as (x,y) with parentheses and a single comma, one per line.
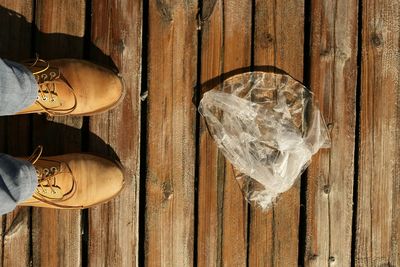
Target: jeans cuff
(32,90)
(32,181)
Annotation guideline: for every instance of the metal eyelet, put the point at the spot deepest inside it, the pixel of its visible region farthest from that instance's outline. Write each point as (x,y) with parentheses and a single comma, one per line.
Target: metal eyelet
(44,98)
(52,75)
(53,169)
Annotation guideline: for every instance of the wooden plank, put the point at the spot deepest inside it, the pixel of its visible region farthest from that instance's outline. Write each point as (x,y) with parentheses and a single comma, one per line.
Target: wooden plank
(16,238)
(172,58)
(378,220)
(113,227)
(278,42)
(210,185)
(60,33)
(222,225)
(331,174)
(16,29)
(237,55)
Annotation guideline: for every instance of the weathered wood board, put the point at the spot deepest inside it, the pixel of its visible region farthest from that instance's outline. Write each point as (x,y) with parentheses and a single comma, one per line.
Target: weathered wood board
(60,30)
(171,79)
(17,16)
(378,220)
(278,42)
(333,80)
(222,215)
(210,180)
(116,35)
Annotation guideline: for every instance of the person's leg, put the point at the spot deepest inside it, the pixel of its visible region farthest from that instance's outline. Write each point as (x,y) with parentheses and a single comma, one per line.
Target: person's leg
(18,181)
(18,87)
(18,90)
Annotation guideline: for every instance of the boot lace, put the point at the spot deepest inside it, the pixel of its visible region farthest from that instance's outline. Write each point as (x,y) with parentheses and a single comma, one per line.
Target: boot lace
(47,180)
(48,77)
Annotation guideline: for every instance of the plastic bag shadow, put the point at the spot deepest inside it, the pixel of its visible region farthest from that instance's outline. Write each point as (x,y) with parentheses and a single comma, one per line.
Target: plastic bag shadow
(218,80)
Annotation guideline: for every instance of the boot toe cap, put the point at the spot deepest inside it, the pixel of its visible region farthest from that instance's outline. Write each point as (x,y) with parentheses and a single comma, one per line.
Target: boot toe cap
(97,89)
(98,180)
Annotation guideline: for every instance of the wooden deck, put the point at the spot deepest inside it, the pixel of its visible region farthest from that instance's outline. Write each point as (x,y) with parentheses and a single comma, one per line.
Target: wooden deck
(181,205)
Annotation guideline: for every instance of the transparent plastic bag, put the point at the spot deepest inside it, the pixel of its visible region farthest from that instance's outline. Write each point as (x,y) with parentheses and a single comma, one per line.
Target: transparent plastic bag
(267,126)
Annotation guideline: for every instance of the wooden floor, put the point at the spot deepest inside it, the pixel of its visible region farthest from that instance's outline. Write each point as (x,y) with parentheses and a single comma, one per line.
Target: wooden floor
(181,205)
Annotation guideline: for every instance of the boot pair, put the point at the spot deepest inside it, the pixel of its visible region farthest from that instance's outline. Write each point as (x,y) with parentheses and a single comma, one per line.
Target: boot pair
(73,87)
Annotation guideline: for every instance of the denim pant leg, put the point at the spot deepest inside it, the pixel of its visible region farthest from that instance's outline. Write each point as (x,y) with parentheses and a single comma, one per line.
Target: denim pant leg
(18,90)
(18,87)
(18,181)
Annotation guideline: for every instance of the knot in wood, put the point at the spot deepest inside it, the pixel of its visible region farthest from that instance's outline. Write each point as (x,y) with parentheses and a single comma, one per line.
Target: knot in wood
(376,39)
(313,257)
(266,40)
(327,189)
(167,190)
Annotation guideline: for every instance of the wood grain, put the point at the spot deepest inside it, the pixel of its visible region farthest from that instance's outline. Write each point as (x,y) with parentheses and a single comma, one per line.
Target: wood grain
(222,215)
(172,58)
(15,21)
(378,220)
(60,27)
(278,42)
(117,39)
(331,174)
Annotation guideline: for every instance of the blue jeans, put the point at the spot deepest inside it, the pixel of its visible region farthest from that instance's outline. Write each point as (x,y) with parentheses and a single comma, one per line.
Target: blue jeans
(18,90)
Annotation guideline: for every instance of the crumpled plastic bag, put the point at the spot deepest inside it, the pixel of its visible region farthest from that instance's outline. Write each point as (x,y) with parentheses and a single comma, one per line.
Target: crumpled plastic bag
(267,126)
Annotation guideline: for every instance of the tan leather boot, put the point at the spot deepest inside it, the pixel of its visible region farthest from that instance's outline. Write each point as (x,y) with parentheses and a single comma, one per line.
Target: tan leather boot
(74,181)
(73,87)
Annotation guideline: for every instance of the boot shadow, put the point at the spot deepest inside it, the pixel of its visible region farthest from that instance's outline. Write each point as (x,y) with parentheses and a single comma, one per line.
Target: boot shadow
(20,40)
